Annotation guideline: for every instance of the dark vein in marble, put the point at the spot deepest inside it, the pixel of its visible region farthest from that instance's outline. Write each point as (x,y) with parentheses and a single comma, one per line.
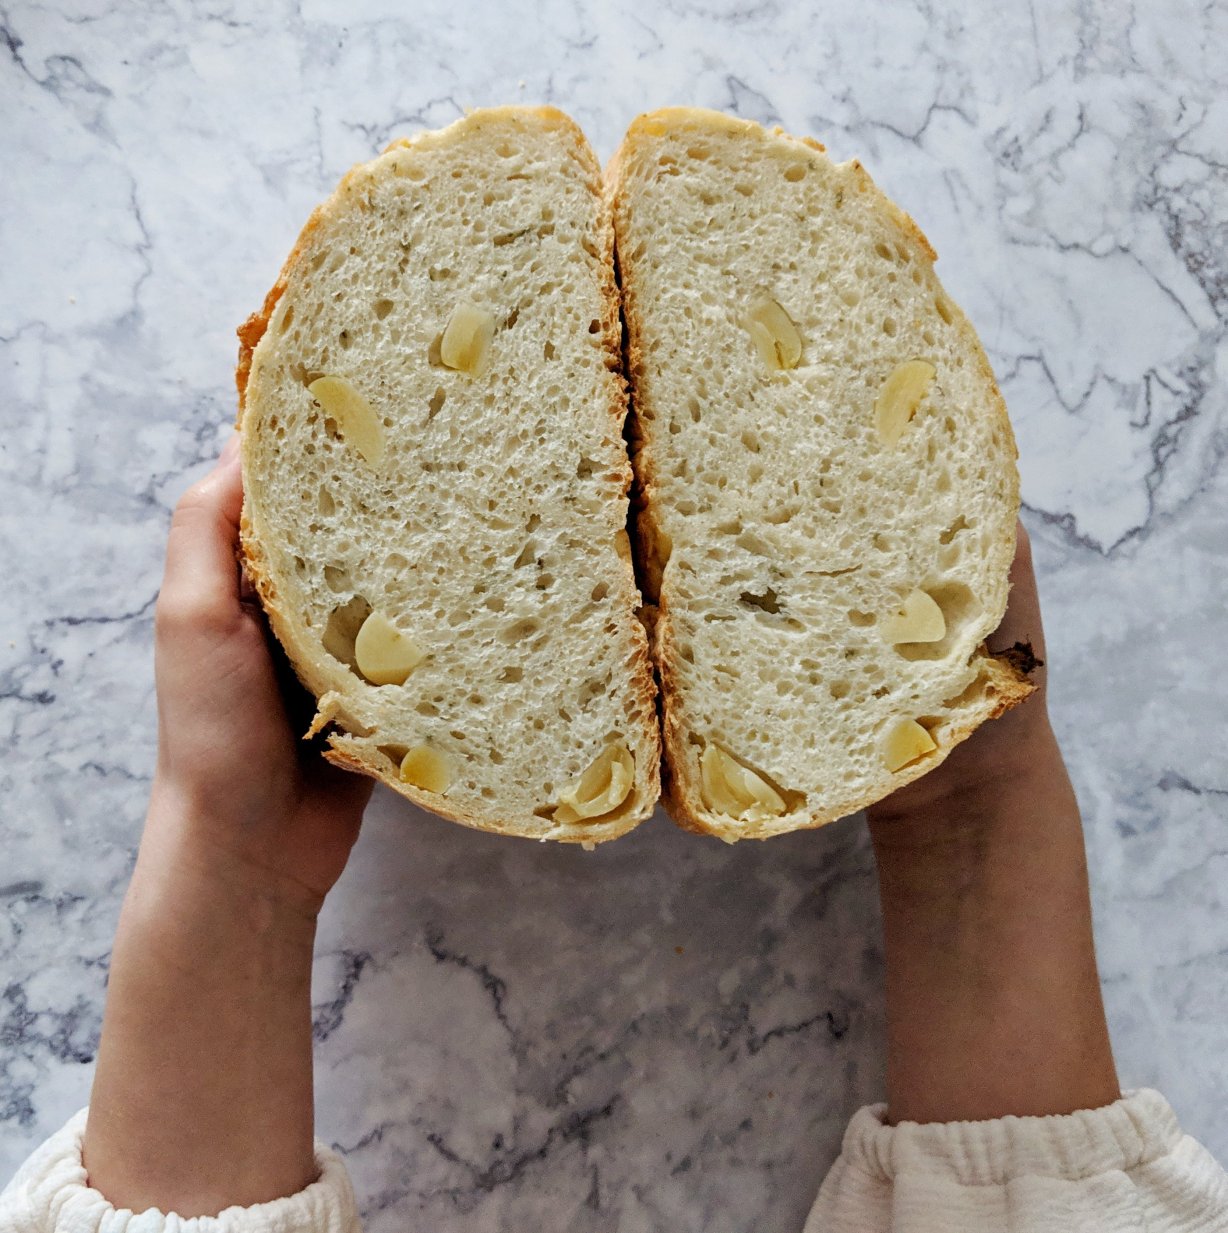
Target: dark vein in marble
(43,697)
(1173,781)
(71,1037)
(21,890)
(836,1022)
(506,1168)
(494,985)
(115,618)
(329,1016)
(749,103)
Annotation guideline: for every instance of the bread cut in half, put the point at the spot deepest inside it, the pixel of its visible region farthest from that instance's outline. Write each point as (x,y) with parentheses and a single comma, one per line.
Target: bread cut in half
(826,478)
(436,482)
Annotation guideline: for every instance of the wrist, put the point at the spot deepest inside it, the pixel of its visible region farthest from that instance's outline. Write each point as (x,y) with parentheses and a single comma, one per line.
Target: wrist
(203,1095)
(193,907)
(188,852)
(983,780)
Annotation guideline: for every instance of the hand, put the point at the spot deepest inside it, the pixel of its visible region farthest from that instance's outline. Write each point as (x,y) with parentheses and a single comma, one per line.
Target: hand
(236,789)
(1008,749)
(203,1092)
(993,998)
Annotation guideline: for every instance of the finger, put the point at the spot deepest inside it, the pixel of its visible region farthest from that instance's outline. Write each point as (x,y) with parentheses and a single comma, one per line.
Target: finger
(200,579)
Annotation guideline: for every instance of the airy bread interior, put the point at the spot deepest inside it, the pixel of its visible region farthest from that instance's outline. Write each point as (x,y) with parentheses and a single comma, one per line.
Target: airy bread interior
(781,532)
(481,510)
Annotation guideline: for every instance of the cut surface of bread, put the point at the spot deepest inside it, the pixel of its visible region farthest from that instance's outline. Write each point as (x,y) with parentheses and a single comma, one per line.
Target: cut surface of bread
(436,482)
(826,478)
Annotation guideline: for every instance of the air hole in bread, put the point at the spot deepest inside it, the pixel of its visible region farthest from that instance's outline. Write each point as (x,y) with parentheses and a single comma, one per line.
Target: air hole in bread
(943,307)
(425,706)
(861,619)
(342,628)
(884,251)
(960,524)
(337,579)
(768,601)
(600,591)
(890,326)
(520,630)
(394,753)
(436,403)
(325,503)
(382,308)
(839,689)
(512,674)
(548,350)
(528,554)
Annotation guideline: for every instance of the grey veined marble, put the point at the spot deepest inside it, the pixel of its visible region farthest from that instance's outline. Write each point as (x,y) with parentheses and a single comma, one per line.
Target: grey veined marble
(667,1033)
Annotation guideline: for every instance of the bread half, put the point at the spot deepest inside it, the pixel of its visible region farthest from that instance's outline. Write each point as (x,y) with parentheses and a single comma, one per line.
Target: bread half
(436,482)
(826,478)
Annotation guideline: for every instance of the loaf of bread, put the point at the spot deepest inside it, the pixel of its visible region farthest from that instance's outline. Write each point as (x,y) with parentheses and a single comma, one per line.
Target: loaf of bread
(436,482)
(826,481)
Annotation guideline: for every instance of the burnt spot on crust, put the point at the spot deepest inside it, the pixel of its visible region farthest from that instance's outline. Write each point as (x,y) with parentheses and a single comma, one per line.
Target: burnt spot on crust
(1021,657)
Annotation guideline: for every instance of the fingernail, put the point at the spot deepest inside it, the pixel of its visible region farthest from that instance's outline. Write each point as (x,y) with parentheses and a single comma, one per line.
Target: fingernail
(229,450)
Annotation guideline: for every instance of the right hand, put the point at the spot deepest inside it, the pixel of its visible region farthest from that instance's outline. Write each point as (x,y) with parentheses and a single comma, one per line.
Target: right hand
(237,791)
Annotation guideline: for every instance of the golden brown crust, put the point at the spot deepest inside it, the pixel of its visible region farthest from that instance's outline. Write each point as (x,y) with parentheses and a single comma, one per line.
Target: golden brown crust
(1005,683)
(302,655)
(252,330)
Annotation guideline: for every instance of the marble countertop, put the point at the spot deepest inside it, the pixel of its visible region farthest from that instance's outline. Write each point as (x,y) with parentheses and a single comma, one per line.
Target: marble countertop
(667,1033)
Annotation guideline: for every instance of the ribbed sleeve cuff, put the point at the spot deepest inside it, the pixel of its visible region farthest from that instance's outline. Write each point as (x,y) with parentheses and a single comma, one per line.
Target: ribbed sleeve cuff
(1135,1130)
(52,1192)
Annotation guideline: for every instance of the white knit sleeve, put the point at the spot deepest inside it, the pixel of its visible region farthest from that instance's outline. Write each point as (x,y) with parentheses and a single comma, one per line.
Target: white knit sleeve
(51,1194)
(1123,1167)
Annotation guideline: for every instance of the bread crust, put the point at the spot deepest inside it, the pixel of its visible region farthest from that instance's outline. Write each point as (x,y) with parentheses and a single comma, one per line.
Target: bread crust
(1005,683)
(305,654)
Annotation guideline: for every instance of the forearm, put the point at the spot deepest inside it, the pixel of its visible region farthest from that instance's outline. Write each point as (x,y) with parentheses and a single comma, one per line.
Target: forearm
(993,999)
(203,1092)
